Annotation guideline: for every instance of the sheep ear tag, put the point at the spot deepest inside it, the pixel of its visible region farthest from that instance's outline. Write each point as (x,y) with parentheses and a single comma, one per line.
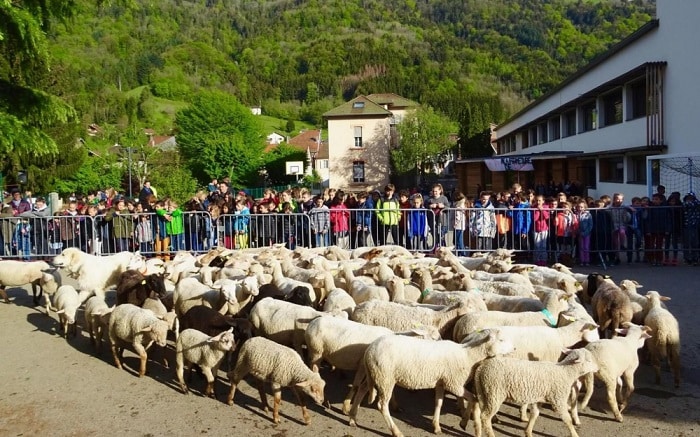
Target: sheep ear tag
(549,317)
(143,282)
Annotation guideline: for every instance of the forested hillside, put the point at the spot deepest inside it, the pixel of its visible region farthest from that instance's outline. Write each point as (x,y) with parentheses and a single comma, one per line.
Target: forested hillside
(120,63)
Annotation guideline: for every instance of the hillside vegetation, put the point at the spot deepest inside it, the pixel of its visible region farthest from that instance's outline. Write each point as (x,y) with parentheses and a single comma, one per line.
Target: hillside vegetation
(130,64)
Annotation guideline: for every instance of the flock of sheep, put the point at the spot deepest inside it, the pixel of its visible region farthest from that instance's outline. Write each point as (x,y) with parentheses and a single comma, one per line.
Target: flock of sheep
(481,328)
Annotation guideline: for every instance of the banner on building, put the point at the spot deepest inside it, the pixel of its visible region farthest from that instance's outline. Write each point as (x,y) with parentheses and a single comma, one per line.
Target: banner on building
(505,163)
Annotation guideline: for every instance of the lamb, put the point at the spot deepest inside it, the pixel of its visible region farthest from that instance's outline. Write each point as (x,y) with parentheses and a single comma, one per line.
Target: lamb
(611,306)
(269,361)
(195,347)
(342,343)
(554,279)
(361,291)
(665,337)
(211,322)
(137,327)
(443,365)
(617,361)
(38,273)
(67,303)
(97,315)
(321,281)
(159,309)
(228,296)
(398,317)
(283,322)
(639,303)
(134,287)
(339,300)
(529,382)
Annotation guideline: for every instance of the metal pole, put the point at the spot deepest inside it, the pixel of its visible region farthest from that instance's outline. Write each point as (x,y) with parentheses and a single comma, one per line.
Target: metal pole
(130,193)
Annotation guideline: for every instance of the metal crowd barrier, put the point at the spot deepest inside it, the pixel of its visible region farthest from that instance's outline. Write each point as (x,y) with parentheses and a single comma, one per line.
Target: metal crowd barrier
(654,234)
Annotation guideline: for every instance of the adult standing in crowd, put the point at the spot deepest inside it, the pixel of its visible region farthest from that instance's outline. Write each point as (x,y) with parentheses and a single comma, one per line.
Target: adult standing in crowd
(145,193)
(18,204)
(691,229)
(39,224)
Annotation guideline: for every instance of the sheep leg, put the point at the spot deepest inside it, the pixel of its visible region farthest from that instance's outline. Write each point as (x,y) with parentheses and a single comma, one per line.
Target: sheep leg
(565,416)
(277,396)
(235,376)
(302,403)
(523,413)
(626,392)
(210,381)
(588,382)
(675,362)
(611,388)
(234,383)
(534,414)
(383,406)
(116,353)
(488,410)
(35,296)
(263,396)
(180,372)
(573,403)
(439,396)
(3,293)
(656,361)
(141,352)
(356,383)
(356,401)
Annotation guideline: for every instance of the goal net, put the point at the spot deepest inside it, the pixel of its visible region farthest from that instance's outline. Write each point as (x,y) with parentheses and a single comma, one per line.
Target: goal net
(677,173)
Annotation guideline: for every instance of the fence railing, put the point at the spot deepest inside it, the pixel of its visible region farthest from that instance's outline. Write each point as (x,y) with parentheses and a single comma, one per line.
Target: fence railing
(664,234)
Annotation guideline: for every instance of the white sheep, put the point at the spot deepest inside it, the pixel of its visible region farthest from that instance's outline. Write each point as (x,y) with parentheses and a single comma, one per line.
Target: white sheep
(280,365)
(339,300)
(97,315)
(287,285)
(67,301)
(132,325)
(665,337)
(38,273)
(342,343)
(415,363)
(321,281)
(284,322)
(194,347)
(361,291)
(617,361)
(170,317)
(472,299)
(398,317)
(228,296)
(529,382)
(472,322)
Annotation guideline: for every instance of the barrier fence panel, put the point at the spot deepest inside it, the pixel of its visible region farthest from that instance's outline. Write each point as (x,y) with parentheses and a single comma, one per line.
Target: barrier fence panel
(656,234)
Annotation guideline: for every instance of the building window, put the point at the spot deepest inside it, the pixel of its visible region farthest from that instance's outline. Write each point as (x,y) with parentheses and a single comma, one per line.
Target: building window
(358,171)
(611,169)
(533,135)
(637,169)
(526,140)
(322,164)
(555,128)
(585,173)
(357,133)
(358,105)
(589,117)
(637,98)
(569,123)
(542,133)
(612,108)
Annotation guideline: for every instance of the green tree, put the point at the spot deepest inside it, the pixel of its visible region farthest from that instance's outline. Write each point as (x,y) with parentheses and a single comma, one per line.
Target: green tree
(26,111)
(275,163)
(290,127)
(218,136)
(424,136)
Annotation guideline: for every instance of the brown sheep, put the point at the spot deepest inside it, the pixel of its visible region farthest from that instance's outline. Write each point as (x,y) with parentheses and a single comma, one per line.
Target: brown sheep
(611,306)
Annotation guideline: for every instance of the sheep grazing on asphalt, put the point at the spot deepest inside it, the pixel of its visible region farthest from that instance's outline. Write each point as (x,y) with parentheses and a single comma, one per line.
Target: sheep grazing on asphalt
(530,382)
(38,273)
(139,328)
(280,365)
(665,337)
(195,347)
